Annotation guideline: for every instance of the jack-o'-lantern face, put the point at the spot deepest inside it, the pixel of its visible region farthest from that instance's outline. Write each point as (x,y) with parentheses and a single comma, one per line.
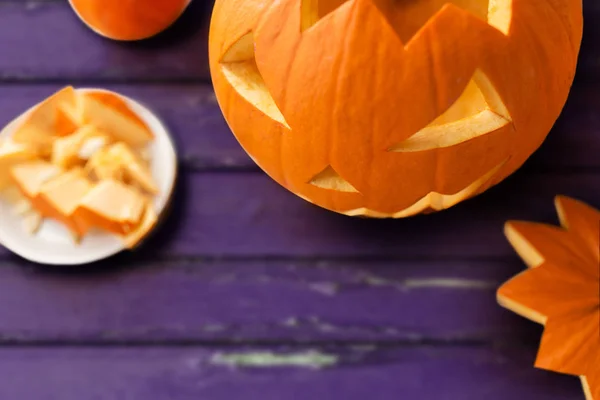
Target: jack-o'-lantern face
(389,108)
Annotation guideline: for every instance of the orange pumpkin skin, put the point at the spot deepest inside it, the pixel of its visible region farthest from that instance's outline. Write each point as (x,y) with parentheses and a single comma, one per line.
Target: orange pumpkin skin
(129,20)
(561,289)
(374,107)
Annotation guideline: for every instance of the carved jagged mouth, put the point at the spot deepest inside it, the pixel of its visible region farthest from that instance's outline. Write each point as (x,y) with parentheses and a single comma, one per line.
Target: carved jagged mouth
(434,201)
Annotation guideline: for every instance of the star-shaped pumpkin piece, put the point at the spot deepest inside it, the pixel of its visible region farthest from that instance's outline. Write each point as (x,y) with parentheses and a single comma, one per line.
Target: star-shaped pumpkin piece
(561,289)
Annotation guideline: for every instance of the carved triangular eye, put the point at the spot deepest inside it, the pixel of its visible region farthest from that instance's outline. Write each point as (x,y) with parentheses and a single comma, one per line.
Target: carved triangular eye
(330,179)
(478,111)
(239,67)
(315,10)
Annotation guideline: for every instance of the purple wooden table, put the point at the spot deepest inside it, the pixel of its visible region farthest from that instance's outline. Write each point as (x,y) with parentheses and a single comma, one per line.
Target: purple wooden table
(248,292)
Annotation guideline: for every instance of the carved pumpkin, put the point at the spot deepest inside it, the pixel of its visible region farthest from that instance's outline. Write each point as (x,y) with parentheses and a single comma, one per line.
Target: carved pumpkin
(129,19)
(389,108)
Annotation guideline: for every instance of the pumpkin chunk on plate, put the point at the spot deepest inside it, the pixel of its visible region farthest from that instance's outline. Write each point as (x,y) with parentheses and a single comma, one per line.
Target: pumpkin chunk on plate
(60,197)
(78,177)
(111,206)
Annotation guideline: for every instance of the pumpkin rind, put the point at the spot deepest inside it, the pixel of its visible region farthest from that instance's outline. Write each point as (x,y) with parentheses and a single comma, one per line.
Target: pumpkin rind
(342,92)
(561,290)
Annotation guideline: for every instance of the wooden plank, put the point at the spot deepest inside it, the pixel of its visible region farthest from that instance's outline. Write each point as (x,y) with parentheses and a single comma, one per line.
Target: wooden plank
(49,31)
(248,215)
(407,301)
(205,142)
(574,142)
(48,41)
(273,374)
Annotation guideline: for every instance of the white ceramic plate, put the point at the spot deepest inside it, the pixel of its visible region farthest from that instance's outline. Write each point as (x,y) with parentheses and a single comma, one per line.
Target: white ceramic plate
(52,244)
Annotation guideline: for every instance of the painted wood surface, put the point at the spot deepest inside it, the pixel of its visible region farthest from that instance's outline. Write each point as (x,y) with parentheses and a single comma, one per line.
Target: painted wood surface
(270,301)
(178,54)
(246,289)
(230,373)
(238,214)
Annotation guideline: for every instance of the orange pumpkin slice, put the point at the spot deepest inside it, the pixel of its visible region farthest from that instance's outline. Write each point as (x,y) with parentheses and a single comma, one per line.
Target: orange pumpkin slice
(103,165)
(67,151)
(29,179)
(30,176)
(60,197)
(21,206)
(129,20)
(47,121)
(120,162)
(10,155)
(109,113)
(148,222)
(62,163)
(112,206)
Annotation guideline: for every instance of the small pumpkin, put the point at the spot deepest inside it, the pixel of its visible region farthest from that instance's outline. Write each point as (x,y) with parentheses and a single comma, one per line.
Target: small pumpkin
(128,20)
(390,108)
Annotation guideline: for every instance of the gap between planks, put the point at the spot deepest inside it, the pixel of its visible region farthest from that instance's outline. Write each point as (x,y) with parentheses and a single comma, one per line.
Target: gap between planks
(290,343)
(149,260)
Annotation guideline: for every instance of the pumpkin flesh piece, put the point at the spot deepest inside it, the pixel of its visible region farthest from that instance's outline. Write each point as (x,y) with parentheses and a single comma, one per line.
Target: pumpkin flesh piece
(119,162)
(135,169)
(60,197)
(29,177)
(148,221)
(46,122)
(64,129)
(11,155)
(66,150)
(111,206)
(110,114)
